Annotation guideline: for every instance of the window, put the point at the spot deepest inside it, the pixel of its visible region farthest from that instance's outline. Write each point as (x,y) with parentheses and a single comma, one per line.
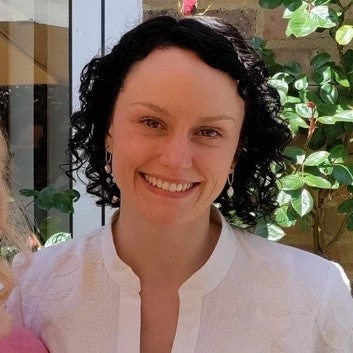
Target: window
(35,98)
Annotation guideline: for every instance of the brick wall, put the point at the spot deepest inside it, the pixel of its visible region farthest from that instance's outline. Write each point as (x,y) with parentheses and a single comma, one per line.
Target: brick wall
(252,20)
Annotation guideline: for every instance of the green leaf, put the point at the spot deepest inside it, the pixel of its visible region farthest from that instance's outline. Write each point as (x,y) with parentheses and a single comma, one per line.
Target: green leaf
(303,202)
(338,154)
(322,74)
(346,115)
(348,60)
(329,93)
(292,99)
(342,174)
(327,120)
(316,181)
(29,193)
(48,225)
(283,198)
(346,206)
(299,122)
(344,35)
(326,108)
(270,231)
(45,198)
(293,118)
(301,83)
(280,85)
(341,77)
(57,238)
(316,158)
(48,191)
(73,194)
(291,182)
(285,217)
(304,110)
(326,169)
(291,6)
(282,76)
(296,154)
(349,222)
(318,139)
(319,60)
(324,16)
(301,23)
(293,68)
(62,203)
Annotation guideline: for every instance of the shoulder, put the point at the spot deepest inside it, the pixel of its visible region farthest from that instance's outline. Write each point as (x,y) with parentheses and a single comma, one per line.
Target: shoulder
(285,257)
(51,267)
(22,340)
(281,266)
(63,258)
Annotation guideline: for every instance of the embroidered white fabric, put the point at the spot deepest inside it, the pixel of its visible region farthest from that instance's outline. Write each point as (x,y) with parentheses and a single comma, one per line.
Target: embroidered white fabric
(251,296)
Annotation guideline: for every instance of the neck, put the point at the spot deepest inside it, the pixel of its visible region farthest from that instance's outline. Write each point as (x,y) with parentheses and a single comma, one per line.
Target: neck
(163,254)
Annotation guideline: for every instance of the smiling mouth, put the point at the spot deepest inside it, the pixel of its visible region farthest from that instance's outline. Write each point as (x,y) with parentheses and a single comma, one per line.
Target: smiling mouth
(166,185)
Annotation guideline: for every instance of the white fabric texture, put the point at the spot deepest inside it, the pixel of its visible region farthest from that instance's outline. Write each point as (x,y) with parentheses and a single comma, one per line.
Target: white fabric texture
(251,296)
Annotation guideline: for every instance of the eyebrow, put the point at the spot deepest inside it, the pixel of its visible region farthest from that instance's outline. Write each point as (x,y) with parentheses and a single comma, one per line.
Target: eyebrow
(206,119)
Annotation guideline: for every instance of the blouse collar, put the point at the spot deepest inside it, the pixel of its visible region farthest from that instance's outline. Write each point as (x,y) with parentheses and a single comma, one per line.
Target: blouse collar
(201,282)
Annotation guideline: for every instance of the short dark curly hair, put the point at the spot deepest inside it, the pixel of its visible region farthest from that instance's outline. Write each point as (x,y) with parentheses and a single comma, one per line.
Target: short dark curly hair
(219,45)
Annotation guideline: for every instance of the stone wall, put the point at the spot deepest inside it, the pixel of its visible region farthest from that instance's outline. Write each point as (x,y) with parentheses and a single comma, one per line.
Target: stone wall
(252,20)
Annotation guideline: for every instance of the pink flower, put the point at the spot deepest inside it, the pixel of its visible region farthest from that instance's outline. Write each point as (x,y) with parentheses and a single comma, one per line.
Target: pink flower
(188,7)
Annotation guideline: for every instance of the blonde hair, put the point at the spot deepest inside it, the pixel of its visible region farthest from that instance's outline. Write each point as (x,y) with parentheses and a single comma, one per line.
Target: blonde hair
(8,237)
(6,278)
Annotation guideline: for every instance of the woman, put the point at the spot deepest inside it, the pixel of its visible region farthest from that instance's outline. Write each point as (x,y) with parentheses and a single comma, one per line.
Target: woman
(12,339)
(178,116)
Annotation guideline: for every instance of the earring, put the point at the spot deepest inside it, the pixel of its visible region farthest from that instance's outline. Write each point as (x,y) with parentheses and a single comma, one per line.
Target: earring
(108,159)
(230,179)
(115,199)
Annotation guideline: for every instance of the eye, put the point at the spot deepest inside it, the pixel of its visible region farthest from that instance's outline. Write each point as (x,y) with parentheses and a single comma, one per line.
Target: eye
(151,123)
(210,133)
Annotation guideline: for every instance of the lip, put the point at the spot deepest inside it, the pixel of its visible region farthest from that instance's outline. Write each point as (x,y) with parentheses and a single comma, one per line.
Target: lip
(176,195)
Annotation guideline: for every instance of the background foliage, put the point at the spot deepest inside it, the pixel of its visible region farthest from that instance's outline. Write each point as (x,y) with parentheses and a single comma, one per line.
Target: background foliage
(318,106)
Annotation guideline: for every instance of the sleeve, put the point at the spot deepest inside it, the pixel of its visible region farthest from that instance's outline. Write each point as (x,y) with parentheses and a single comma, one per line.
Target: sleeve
(14,302)
(335,320)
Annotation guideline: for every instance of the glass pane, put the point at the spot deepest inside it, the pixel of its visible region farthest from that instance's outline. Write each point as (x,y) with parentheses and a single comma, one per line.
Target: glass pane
(34,101)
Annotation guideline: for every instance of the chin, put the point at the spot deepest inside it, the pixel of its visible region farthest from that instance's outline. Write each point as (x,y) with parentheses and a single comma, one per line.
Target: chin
(165,218)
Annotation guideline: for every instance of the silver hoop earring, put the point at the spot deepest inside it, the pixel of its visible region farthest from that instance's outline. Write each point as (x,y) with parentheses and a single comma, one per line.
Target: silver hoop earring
(230,179)
(115,199)
(108,159)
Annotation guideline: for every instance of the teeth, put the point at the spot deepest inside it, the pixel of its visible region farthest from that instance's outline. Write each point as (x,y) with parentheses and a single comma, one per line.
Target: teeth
(165,185)
(154,181)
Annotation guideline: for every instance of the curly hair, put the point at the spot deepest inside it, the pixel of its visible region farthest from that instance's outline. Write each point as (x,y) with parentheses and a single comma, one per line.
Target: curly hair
(219,45)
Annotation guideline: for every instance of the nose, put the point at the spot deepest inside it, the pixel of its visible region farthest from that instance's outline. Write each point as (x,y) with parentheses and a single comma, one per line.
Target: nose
(176,152)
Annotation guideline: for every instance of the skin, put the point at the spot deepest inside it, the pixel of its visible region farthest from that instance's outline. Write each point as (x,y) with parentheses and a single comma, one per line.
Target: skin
(179,120)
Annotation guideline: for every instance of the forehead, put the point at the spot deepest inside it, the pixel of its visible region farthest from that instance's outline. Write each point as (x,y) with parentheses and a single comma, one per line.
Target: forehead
(171,76)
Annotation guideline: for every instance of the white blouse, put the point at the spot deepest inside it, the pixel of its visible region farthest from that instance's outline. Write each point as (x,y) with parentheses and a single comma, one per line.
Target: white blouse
(251,296)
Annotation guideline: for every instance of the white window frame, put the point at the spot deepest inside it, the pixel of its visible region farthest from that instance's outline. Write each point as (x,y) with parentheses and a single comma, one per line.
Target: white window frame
(95,25)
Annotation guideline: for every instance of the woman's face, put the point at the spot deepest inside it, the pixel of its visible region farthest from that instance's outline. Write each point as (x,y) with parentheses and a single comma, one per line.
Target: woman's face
(174,134)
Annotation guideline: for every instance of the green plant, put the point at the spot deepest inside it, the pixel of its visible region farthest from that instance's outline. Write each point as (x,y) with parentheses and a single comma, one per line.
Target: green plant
(318,106)
(52,198)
